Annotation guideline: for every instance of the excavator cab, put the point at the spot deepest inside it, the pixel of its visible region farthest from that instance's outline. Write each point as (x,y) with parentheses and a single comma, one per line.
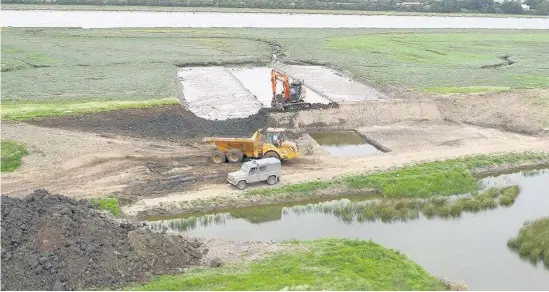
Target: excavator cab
(296,88)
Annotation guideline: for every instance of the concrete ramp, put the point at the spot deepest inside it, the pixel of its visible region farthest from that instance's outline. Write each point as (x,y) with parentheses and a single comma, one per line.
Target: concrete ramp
(332,85)
(214,93)
(258,81)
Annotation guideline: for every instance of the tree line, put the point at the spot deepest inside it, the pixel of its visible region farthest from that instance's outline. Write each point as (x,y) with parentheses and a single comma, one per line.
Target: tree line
(536,7)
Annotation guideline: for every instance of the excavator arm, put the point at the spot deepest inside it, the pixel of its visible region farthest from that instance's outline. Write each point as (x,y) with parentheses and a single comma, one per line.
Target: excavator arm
(275,75)
(288,101)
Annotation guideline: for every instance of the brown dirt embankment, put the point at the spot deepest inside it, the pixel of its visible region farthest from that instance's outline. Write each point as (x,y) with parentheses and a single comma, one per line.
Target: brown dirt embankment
(521,111)
(360,114)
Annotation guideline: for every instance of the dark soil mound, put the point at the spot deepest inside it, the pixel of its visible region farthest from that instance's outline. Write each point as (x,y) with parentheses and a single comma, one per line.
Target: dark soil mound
(172,123)
(52,242)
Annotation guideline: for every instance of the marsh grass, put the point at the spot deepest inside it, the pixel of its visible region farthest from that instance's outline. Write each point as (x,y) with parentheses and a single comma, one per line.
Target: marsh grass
(325,264)
(531,242)
(12,153)
(348,211)
(388,210)
(509,196)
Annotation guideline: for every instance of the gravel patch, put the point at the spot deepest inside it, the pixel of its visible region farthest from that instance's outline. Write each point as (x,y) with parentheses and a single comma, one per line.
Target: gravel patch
(228,251)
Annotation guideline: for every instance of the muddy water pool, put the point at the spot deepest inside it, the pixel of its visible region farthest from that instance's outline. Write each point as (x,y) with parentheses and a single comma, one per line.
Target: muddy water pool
(108,19)
(345,143)
(471,248)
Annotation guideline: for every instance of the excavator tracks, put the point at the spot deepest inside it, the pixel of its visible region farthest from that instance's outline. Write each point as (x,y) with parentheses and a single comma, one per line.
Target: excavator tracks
(293,107)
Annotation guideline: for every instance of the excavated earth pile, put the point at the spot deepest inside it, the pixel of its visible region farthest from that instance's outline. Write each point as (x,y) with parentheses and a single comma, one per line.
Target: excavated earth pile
(170,123)
(52,242)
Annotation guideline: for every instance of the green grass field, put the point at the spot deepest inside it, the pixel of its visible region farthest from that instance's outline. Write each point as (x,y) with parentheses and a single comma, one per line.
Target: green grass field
(326,264)
(45,108)
(81,66)
(12,155)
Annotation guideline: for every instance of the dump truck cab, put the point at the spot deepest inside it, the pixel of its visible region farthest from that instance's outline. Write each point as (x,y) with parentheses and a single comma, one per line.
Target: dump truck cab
(266,169)
(275,145)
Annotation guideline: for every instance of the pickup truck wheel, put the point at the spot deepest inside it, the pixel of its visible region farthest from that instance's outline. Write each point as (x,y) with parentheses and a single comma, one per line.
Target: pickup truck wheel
(271,154)
(235,156)
(218,157)
(271,180)
(241,185)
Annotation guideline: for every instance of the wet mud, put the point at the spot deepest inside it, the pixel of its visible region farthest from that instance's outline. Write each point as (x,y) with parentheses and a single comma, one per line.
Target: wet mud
(170,123)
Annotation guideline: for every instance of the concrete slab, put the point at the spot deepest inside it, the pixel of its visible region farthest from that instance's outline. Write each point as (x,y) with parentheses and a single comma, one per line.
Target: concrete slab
(258,81)
(214,93)
(331,84)
(421,136)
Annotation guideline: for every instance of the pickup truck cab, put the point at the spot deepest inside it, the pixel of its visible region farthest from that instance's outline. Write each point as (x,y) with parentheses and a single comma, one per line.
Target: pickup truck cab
(266,169)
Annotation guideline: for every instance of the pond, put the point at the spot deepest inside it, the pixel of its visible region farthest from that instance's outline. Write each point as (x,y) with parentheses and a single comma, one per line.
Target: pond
(110,19)
(471,248)
(345,143)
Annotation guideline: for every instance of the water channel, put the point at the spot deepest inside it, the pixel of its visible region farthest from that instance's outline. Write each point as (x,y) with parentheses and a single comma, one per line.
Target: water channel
(345,143)
(471,248)
(111,19)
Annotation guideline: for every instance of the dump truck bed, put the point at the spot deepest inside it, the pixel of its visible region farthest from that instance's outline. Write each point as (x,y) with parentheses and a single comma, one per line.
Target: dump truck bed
(248,146)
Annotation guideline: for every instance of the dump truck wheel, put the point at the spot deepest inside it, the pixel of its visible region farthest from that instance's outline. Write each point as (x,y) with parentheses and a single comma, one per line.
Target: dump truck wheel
(235,156)
(218,157)
(271,154)
(271,180)
(241,185)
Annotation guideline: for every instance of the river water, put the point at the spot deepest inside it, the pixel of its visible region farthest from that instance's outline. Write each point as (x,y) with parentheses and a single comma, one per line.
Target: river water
(111,19)
(472,248)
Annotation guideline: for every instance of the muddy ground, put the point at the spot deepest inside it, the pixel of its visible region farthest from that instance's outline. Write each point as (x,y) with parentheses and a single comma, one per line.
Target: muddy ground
(170,123)
(151,158)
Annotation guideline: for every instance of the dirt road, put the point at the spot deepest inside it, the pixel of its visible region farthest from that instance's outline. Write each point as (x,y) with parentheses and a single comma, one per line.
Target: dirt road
(82,164)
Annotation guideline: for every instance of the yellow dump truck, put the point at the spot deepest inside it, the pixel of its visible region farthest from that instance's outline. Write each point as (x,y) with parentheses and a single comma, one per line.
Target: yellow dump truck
(271,143)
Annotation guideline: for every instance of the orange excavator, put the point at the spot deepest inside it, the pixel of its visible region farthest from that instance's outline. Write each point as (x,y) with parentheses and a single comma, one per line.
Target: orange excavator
(293,93)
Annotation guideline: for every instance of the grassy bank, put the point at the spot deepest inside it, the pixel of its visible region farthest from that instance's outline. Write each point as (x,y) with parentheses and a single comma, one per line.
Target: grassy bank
(107,204)
(532,242)
(440,178)
(246,10)
(12,155)
(23,111)
(328,264)
(85,65)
